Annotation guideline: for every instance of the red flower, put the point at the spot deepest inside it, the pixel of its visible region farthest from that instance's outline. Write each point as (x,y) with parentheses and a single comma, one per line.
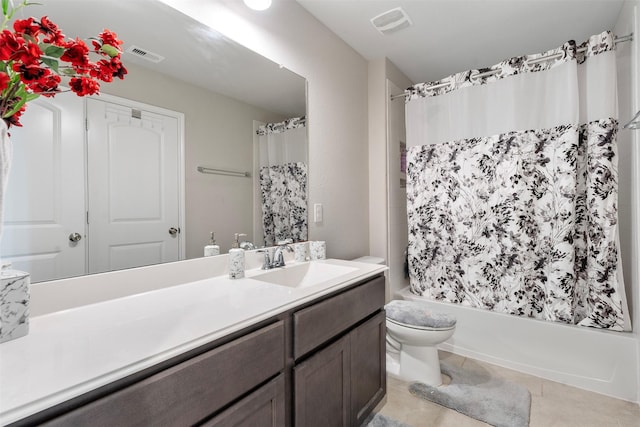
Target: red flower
(106,70)
(76,53)
(47,85)
(26,70)
(4,81)
(26,26)
(29,54)
(102,71)
(110,38)
(84,86)
(10,43)
(119,70)
(30,73)
(54,35)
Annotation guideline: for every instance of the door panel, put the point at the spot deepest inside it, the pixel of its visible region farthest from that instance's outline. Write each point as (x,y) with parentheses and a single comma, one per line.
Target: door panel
(45,199)
(133,159)
(322,387)
(368,367)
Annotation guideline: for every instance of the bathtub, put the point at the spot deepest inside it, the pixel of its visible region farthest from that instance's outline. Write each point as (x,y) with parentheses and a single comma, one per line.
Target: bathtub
(605,362)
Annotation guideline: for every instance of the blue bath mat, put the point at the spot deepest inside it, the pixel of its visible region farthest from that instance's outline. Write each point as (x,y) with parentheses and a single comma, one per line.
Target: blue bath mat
(480,395)
(379,420)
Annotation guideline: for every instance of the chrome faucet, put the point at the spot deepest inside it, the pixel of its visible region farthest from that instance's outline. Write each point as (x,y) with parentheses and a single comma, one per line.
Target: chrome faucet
(266,264)
(276,259)
(278,256)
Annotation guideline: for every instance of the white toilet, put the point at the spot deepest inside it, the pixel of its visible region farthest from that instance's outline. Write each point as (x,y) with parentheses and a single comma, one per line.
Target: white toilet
(413,334)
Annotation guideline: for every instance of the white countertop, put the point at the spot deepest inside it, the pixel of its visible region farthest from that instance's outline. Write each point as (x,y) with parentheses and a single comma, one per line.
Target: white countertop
(70,352)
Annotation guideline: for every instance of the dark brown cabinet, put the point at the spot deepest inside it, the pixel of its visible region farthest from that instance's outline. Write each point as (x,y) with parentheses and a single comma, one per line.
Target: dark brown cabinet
(340,375)
(368,367)
(322,387)
(323,321)
(263,408)
(189,392)
(320,364)
(341,384)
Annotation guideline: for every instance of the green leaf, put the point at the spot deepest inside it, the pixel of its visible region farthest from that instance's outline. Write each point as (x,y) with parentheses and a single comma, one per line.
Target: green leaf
(31,96)
(24,97)
(5,7)
(68,71)
(51,63)
(29,38)
(53,51)
(16,107)
(109,50)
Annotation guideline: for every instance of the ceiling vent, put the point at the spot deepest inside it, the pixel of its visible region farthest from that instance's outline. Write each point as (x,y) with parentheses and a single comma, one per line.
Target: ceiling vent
(143,53)
(391,21)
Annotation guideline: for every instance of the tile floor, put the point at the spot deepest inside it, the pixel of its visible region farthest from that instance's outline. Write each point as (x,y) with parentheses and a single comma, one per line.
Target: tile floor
(552,404)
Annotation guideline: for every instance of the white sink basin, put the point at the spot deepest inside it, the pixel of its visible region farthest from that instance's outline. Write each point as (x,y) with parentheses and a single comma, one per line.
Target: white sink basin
(303,275)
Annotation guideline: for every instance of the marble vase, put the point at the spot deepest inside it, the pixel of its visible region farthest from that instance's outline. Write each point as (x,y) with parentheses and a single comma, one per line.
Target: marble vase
(14,304)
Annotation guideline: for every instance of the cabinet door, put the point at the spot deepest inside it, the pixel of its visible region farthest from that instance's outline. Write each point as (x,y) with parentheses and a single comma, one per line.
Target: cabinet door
(368,367)
(322,389)
(262,408)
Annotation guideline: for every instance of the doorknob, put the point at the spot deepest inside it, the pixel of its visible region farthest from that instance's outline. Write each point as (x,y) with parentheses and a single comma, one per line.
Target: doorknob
(173,231)
(75,237)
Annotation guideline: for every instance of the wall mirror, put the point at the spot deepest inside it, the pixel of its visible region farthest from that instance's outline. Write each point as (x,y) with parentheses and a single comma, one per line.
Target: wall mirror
(239,121)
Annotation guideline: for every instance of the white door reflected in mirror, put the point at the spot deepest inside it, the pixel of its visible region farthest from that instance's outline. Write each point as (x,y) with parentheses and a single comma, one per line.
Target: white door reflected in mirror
(133,187)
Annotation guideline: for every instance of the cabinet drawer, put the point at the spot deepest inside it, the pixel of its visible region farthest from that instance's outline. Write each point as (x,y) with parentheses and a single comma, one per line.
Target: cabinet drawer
(262,408)
(190,391)
(319,323)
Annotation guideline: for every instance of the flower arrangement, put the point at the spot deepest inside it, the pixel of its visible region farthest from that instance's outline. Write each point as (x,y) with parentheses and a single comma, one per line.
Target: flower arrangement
(36,56)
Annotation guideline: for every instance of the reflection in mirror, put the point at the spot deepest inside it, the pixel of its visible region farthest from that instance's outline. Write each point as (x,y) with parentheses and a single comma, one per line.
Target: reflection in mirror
(186,79)
(282,156)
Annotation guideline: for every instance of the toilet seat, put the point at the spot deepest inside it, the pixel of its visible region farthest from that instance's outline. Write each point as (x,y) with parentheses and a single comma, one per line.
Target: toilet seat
(420,328)
(414,314)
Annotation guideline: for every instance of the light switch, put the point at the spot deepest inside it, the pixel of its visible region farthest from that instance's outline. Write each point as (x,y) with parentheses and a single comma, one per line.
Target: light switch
(317,212)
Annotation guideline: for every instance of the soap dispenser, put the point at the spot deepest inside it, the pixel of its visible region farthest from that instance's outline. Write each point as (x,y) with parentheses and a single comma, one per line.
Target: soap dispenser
(212,249)
(236,258)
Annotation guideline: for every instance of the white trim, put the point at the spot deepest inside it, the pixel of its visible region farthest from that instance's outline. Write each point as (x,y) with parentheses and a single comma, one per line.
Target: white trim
(635,194)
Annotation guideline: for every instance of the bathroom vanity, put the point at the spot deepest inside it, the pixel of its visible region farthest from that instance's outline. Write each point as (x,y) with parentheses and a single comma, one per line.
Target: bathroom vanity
(303,346)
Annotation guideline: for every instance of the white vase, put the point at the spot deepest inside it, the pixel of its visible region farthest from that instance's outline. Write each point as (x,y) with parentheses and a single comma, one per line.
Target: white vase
(5,165)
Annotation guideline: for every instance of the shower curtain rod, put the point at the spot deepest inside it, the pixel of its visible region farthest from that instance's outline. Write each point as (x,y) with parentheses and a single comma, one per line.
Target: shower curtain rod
(616,40)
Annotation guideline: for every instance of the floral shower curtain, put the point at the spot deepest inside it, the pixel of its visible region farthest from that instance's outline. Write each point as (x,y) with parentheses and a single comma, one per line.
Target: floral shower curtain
(283,180)
(512,187)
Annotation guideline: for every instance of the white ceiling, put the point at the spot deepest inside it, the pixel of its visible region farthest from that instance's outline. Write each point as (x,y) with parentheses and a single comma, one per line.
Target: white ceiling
(449,36)
(193,52)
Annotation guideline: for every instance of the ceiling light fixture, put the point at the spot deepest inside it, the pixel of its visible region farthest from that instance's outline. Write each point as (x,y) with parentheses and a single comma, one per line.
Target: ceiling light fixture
(258,4)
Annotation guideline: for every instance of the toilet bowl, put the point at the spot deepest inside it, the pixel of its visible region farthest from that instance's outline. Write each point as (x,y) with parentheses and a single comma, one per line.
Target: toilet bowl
(413,334)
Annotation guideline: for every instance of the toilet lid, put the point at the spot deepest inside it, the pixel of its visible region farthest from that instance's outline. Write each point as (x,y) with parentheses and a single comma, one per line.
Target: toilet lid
(417,314)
